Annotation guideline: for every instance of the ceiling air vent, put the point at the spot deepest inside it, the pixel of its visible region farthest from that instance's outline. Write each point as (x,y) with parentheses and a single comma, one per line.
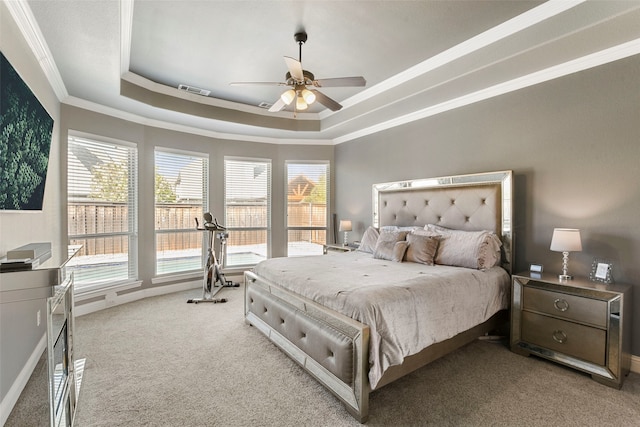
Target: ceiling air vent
(265,105)
(194,90)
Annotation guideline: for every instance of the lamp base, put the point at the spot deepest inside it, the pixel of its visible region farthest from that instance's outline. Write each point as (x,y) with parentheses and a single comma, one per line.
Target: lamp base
(564,277)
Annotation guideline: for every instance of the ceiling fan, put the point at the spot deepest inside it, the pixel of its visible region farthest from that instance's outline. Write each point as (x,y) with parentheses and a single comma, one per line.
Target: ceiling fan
(298,79)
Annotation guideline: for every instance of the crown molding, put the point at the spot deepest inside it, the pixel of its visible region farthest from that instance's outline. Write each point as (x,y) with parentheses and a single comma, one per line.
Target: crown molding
(580,64)
(26,22)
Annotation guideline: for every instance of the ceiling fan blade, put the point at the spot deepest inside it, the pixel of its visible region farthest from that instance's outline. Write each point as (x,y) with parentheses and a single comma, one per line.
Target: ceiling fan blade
(277,106)
(340,82)
(295,68)
(326,101)
(257,84)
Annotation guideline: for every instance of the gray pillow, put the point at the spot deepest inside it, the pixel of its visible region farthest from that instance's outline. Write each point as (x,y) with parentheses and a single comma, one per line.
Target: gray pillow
(471,249)
(386,246)
(391,251)
(422,249)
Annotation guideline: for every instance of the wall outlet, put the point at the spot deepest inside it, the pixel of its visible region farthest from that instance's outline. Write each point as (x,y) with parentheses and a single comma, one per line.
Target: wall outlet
(38,318)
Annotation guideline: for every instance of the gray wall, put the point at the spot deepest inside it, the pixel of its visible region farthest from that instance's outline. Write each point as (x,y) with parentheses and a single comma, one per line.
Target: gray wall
(19,334)
(573,144)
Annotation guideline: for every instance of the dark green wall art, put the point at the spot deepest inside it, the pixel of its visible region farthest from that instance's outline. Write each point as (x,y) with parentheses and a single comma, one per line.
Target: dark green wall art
(25,141)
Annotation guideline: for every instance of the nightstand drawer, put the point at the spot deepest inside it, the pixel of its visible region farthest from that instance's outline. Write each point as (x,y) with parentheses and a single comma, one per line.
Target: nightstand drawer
(570,307)
(569,338)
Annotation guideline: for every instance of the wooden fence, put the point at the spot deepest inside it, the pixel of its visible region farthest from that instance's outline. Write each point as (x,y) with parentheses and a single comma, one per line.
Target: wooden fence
(96,218)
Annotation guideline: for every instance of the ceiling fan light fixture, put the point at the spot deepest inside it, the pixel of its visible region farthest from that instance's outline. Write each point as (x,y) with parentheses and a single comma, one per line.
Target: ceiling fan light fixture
(288,96)
(309,97)
(301,104)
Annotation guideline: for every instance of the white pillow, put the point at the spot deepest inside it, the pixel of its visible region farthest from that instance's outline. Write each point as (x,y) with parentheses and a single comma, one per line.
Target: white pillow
(471,249)
(369,240)
(398,228)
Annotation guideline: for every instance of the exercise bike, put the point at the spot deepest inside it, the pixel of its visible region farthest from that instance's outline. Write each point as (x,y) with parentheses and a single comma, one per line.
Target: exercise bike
(213,280)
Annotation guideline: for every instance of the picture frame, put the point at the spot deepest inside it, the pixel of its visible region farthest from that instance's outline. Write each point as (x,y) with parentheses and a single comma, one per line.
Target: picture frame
(536,268)
(601,271)
(535,271)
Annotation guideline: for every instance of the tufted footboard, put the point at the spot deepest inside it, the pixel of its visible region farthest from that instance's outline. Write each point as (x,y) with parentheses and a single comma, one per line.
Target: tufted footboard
(333,348)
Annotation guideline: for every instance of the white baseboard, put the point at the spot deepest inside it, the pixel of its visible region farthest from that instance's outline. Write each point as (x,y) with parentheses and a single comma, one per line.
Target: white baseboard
(18,385)
(635,364)
(112,298)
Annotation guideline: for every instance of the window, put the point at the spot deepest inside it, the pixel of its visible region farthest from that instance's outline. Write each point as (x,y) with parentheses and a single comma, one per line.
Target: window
(307,210)
(247,210)
(102,204)
(181,194)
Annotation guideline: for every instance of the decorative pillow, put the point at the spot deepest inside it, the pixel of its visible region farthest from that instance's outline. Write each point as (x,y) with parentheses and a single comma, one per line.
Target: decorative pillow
(392,251)
(369,240)
(386,246)
(422,248)
(471,249)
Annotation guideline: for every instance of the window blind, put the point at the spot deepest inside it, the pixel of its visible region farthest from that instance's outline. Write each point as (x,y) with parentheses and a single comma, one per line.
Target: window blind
(247,210)
(102,211)
(181,194)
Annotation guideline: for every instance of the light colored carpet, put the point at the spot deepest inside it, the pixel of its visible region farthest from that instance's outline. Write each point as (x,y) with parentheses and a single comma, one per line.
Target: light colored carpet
(163,362)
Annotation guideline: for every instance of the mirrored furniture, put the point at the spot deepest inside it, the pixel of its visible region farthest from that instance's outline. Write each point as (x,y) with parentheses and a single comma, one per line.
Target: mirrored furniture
(581,324)
(52,283)
(60,357)
(338,248)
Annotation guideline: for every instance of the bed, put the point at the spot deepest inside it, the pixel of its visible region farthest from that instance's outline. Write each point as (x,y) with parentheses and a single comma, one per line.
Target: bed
(360,320)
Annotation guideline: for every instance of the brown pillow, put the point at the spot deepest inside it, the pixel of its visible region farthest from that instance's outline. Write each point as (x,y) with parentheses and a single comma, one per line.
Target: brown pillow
(421,249)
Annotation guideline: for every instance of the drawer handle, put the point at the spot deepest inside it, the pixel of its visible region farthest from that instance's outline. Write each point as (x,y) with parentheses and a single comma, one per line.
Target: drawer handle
(561,304)
(559,336)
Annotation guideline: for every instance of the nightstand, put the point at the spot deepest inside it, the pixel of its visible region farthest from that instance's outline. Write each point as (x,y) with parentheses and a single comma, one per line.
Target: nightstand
(337,247)
(578,323)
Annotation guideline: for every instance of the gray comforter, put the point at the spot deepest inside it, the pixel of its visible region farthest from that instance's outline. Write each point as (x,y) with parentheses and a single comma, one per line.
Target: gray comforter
(407,306)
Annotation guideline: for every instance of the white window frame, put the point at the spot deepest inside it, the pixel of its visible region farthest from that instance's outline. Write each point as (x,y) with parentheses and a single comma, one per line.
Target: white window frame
(267,228)
(288,228)
(189,228)
(132,218)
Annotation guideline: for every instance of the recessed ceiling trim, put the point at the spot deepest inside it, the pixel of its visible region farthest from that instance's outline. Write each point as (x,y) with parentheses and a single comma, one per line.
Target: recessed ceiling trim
(499,32)
(187,104)
(580,64)
(193,130)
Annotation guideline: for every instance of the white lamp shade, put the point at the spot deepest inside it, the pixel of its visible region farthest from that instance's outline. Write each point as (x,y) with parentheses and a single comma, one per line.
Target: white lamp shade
(566,240)
(308,96)
(345,225)
(301,104)
(288,96)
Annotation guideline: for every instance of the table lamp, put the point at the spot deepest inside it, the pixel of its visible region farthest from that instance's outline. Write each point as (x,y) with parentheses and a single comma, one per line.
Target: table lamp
(566,240)
(345,225)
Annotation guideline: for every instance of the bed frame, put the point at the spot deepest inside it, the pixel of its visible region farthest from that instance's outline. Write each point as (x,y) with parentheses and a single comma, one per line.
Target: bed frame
(334,348)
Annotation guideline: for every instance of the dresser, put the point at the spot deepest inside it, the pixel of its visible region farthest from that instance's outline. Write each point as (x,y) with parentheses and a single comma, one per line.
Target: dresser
(20,295)
(578,323)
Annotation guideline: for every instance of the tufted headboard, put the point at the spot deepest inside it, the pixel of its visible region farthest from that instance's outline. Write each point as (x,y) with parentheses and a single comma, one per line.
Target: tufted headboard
(464,202)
